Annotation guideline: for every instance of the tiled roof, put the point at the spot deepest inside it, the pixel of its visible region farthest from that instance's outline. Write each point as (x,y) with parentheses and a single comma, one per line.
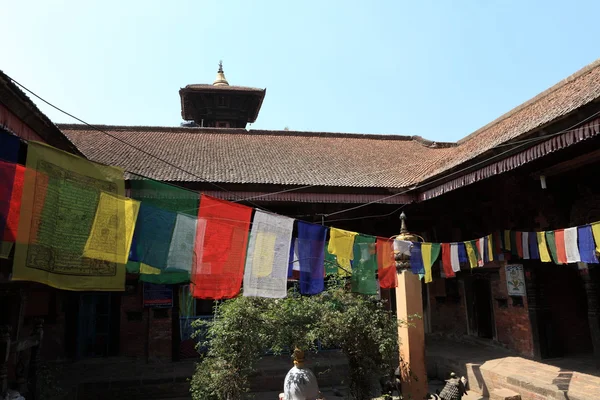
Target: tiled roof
(262,157)
(19,104)
(322,159)
(568,95)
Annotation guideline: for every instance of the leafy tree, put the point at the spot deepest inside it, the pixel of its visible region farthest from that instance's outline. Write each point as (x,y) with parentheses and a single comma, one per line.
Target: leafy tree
(245,328)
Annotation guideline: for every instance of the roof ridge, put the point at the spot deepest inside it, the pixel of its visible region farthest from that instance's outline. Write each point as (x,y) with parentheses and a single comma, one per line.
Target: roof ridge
(376,136)
(135,128)
(578,74)
(256,132)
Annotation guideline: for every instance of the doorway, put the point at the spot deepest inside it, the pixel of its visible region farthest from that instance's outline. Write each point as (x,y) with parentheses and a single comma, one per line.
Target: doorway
(480,309)
(562,312)
(95,317)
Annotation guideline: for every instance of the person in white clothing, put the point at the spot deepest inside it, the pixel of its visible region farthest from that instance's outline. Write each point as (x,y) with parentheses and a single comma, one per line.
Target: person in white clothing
(300,383)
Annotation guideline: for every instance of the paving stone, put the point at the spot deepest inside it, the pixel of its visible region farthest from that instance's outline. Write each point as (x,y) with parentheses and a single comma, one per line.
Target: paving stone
(504,394)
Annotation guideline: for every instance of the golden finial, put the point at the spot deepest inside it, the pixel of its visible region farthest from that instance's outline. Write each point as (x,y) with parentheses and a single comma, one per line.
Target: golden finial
(220,81)
(298,358)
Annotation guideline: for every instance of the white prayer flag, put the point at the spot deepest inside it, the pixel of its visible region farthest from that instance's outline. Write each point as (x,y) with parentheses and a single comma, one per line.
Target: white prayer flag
(454,260)
(481,249)
(268,255)
(571,248)
(525,243)
(402,246)
(181,250)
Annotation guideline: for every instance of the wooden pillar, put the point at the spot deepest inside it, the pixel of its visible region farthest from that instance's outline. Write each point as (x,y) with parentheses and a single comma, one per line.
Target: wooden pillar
(4,357)
(34,361)
(409,302)
(533,306)
(591,292)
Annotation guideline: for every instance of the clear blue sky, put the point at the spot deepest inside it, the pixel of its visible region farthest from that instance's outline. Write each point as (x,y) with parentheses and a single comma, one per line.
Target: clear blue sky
(435,68)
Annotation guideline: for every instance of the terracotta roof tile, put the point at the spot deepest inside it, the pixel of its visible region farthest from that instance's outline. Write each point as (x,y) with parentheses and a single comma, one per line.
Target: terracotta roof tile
(262,157)
(577,90)
(322,159)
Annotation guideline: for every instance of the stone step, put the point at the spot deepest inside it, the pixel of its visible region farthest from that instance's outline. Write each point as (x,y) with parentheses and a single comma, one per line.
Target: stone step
(504,394)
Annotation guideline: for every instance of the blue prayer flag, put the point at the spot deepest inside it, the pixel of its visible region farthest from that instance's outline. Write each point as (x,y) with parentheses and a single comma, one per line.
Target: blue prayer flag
(9,147)
(462,253)
(416,259)
(534,249)
(587,247)
(311,257)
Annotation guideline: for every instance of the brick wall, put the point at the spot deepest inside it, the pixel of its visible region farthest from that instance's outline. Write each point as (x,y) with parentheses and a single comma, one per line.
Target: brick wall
(134,322)
(448,315)
(160,334)
(144,331)
(47,303)
(512,321)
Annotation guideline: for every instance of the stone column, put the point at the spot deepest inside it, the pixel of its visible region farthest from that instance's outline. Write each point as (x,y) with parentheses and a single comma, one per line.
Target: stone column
(409,302)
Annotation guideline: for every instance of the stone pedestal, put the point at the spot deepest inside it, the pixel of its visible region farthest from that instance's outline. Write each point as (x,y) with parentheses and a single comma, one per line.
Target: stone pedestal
(409,302)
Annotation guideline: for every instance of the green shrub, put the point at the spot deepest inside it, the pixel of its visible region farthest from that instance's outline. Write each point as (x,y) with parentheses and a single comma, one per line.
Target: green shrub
(245,328)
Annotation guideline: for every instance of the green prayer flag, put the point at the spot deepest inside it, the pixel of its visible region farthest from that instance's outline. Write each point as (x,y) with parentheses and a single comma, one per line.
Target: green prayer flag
(513,244)
(156,228)
(477,254)
(551,241)
(132,267)
(166,277)
(167,197)
(364,265)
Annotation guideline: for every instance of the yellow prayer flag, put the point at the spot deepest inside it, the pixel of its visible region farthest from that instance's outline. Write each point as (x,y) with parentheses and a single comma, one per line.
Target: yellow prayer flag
(596,233)
(426,254)
(490,248)
(543,247)
(112,230)
(507,240)
(264,254)
(60,197)
(341,244)
(471,254)
(148,270)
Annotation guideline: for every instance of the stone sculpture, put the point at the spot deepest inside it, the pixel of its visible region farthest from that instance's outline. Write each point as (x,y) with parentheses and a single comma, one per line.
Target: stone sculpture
(300,383)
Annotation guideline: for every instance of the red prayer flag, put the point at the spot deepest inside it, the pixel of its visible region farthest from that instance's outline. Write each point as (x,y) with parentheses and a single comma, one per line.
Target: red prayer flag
(14,209)
(519,240)
(38,183)
(220,256)
(447,260)
(386,266)
(7,178)
(561,251)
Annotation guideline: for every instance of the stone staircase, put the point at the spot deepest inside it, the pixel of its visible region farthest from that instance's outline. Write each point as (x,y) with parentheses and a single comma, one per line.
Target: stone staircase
(497,374)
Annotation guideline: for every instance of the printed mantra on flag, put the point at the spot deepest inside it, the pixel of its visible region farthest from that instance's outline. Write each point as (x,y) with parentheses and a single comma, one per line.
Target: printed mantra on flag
(64,221)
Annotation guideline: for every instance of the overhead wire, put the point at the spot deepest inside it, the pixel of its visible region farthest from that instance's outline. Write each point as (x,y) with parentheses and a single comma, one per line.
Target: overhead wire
(458,171)
(512,143)
(518,144)
(129,144)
